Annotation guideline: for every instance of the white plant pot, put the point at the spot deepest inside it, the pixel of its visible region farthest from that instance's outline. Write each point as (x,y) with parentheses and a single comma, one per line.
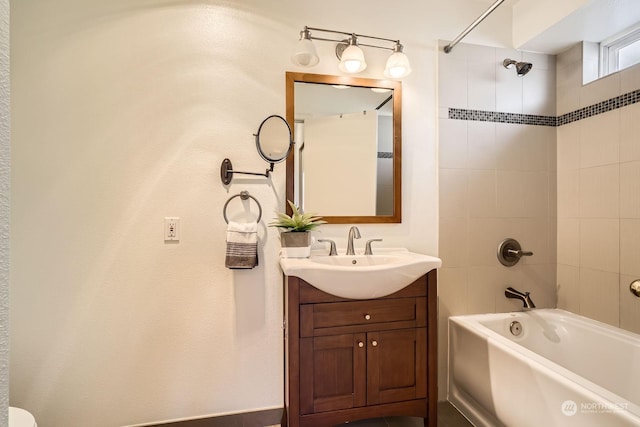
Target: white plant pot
(295,244)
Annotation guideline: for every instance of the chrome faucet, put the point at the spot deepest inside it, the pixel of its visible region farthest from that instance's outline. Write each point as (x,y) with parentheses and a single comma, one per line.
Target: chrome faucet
(522,296)
(332,246)
(354,233)
(367,247)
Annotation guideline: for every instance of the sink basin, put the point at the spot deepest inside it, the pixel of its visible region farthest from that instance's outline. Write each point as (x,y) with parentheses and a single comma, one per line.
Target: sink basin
(352,261)
(361,276)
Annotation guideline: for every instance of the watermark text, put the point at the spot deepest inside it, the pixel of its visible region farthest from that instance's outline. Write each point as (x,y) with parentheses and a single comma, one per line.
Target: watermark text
(571,408)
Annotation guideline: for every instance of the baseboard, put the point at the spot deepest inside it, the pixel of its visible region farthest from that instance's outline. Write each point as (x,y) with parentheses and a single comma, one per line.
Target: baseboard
(266,418)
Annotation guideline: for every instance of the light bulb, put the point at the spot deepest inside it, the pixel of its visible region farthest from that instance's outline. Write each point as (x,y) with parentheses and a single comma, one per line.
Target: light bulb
(352,60)
(352,66)
(397,65)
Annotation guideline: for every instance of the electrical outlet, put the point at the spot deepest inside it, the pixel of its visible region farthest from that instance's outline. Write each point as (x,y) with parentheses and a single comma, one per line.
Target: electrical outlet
(171,228)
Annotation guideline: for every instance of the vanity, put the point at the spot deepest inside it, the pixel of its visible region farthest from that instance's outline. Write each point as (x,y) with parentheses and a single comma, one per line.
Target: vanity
(355,359)
(360,330)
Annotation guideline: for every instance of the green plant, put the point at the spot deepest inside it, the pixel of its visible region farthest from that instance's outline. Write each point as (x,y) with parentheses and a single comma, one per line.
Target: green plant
(297,221)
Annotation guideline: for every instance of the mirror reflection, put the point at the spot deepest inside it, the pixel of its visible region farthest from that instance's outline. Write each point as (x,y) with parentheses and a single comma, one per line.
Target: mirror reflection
(346,160)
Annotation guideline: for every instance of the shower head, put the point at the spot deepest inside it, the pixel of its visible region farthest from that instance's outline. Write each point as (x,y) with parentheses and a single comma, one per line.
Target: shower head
(522,68)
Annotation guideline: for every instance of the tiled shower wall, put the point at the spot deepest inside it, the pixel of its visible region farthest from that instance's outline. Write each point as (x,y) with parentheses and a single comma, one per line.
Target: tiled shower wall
(598,196)
(497,180)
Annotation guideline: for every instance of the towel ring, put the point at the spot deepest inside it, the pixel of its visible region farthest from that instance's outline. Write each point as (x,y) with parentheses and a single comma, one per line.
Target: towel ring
(244,195)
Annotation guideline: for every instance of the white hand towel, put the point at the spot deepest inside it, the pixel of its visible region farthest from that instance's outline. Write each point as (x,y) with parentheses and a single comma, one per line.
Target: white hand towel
(242,245)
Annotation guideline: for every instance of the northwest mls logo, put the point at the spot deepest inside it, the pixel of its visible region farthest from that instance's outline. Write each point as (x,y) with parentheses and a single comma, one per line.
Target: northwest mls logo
(569,408)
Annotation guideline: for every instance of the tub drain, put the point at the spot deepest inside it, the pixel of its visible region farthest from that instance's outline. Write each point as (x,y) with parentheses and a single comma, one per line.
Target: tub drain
(516,328)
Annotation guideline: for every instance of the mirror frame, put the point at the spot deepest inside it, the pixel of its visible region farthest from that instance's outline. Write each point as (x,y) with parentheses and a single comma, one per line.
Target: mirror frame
(291,79)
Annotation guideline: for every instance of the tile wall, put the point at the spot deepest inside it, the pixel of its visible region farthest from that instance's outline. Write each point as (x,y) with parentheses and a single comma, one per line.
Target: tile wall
(598,194)
(497,180)
(559,173)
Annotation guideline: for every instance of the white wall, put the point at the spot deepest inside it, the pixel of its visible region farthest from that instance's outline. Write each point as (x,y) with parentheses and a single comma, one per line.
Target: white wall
(5,187)
(598,197)
(532,17)
(497,180)
(122,113)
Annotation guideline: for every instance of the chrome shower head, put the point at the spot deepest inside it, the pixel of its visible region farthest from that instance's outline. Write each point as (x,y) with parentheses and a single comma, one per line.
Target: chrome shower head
(522,68)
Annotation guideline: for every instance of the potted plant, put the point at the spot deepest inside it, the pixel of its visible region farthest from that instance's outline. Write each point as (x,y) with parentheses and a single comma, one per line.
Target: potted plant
(295,237)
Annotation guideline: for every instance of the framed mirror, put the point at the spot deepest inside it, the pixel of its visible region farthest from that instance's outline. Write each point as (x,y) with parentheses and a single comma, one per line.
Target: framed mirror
(346,164)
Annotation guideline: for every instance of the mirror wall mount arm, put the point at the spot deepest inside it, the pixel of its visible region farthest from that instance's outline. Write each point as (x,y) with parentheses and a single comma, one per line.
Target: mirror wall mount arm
(273,142)
(473,25)
(226,172)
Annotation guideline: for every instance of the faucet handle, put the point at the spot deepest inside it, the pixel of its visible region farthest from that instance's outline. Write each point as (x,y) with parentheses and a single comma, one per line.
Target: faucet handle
(333,250)
(510,252)
(519,253)
(367,247)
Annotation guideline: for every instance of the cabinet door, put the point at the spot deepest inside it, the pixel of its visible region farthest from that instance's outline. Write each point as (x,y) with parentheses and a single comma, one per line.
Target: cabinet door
(396,365)
(332,373)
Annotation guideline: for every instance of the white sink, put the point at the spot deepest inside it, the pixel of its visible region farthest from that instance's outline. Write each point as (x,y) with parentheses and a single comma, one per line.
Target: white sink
(361,276)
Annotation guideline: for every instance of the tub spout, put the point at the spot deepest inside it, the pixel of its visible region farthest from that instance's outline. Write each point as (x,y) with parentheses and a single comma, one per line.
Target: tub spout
(522,296)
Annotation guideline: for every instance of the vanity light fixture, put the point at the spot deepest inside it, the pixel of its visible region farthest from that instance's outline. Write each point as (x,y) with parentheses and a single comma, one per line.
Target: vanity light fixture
(305,53)
(350,54)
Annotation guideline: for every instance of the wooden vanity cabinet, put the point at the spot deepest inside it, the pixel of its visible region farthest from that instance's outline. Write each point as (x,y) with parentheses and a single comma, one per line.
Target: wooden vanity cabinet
(355,359)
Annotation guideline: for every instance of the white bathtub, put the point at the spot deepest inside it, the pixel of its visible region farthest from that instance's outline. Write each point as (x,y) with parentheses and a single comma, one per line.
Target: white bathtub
(563,370)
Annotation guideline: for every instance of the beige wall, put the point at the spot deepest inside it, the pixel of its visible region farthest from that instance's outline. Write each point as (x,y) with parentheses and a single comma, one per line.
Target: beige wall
(5,188)
(598,197)
(122,113)
(497,180)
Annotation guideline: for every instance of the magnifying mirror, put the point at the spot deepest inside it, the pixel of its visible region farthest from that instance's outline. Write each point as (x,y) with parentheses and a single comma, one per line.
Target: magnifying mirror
(273,142)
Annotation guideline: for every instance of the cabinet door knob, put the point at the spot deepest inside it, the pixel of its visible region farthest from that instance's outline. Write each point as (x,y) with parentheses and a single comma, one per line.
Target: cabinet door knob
(367,317)
(360,344)
(374,343)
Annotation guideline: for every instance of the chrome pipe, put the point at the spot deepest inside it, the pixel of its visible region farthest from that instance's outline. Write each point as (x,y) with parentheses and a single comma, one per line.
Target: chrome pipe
(474,24)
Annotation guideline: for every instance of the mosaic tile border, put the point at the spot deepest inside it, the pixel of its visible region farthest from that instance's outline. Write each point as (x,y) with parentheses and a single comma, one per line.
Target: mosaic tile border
(385,155)
(494,116)
(531,119)
(601,107)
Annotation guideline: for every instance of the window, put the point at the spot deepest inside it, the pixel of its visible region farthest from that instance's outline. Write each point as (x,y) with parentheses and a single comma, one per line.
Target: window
(620,51)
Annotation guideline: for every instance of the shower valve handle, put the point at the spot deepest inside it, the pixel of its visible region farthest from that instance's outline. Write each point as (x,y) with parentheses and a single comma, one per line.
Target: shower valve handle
(519,253)
(510,252)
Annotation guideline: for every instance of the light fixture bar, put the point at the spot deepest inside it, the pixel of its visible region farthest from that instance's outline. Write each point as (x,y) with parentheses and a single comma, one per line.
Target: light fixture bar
(312,37)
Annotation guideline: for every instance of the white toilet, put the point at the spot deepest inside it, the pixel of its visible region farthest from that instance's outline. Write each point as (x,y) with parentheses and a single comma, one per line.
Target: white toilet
(21,418)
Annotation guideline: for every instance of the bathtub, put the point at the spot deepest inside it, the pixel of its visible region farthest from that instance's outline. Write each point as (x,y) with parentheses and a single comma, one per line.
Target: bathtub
(561,370)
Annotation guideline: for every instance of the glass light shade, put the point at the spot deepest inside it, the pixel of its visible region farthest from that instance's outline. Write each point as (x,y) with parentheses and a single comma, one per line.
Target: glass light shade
(305,53)
(352,60)
(397,66)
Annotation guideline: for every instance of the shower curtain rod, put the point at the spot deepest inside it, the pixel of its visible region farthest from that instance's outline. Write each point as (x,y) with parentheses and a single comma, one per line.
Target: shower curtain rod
(475,23)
